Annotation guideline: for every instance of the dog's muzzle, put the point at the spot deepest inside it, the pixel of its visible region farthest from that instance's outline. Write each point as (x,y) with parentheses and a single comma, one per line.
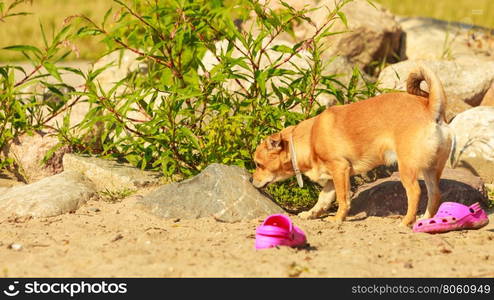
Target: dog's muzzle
(251,180)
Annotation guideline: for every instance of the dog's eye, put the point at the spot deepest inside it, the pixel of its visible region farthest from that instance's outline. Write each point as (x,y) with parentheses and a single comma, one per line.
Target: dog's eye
(259,166)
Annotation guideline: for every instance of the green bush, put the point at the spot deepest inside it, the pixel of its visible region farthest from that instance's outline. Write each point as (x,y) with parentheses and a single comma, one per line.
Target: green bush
(188,117)
(32,98)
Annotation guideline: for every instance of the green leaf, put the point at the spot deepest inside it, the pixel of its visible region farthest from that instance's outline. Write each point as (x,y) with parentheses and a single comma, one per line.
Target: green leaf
(45,41)
(261,80)
(108,12)
(22,48)
(372,3)
(53,70)
(190,136)
(14,4)
(343,18)
(283,49)
(61,34)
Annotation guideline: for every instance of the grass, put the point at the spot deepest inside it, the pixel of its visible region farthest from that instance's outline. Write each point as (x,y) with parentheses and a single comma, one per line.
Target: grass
(490,196)
(477,12)
(115,196)
(25,30)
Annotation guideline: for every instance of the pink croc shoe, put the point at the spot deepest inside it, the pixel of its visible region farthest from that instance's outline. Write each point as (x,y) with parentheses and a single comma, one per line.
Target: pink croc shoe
(278,230)
(453,216)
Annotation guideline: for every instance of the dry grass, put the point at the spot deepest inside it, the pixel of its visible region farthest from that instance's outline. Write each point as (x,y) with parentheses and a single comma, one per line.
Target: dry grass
(51,13)
(477,12)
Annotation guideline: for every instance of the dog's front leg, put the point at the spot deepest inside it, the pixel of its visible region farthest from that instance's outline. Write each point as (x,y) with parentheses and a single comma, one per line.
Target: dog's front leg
(326,198)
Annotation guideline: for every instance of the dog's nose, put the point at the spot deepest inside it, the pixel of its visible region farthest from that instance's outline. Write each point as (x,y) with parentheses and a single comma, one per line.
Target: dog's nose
(251,180)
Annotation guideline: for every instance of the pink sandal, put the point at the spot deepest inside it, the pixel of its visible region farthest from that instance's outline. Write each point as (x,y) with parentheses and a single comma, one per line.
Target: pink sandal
(453,216)
(278,230)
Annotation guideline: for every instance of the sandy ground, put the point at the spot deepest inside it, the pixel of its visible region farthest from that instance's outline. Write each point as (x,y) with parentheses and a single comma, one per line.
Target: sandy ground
(119,240)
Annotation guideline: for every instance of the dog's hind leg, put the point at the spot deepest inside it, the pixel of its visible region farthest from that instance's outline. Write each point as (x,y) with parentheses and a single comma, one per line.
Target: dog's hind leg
(433,193)
(432,176)
(341,179)
(409,179)
(326,198)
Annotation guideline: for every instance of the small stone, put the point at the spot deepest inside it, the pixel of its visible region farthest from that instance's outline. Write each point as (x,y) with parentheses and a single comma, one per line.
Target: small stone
(117,237)
(445,250)
(94,209)
(16,247)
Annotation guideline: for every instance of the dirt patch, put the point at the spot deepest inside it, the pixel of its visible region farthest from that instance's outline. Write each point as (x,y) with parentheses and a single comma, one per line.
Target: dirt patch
(118,240)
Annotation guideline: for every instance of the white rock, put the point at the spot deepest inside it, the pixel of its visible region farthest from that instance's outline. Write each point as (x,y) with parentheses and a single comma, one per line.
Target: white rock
(436,39)
(108,175)
(16,247)
(474,134)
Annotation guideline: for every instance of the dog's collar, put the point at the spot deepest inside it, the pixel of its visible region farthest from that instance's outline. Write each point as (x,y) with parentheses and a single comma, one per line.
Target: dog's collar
(293,157)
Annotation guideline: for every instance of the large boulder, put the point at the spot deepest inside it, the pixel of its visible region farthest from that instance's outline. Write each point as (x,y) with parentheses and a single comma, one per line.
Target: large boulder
(387,196)
(433,39)
(488,99)
(474,135)
(109,175)
(373,33)
(223,192)
(52,196)
(465,81)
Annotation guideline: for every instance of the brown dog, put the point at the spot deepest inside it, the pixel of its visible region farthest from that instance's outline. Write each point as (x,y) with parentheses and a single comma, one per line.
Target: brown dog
(407,128)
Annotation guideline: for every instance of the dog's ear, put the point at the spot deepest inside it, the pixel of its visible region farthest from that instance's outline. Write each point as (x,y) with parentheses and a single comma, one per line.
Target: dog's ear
(274,142)
(287,132)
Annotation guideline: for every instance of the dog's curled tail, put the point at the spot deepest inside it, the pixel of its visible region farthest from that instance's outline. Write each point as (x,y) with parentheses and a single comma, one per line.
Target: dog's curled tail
(436,95)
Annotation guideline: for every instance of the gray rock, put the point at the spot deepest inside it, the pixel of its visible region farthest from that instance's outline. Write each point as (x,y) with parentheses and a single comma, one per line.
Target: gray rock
(223,192)
(110,175)
(51,196)
(474,135)
(388,197)
(465,81)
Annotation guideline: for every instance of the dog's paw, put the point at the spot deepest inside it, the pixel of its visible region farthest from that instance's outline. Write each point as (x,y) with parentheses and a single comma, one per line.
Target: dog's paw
(404,225)
(306,215)
(426,215)
(334,219)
